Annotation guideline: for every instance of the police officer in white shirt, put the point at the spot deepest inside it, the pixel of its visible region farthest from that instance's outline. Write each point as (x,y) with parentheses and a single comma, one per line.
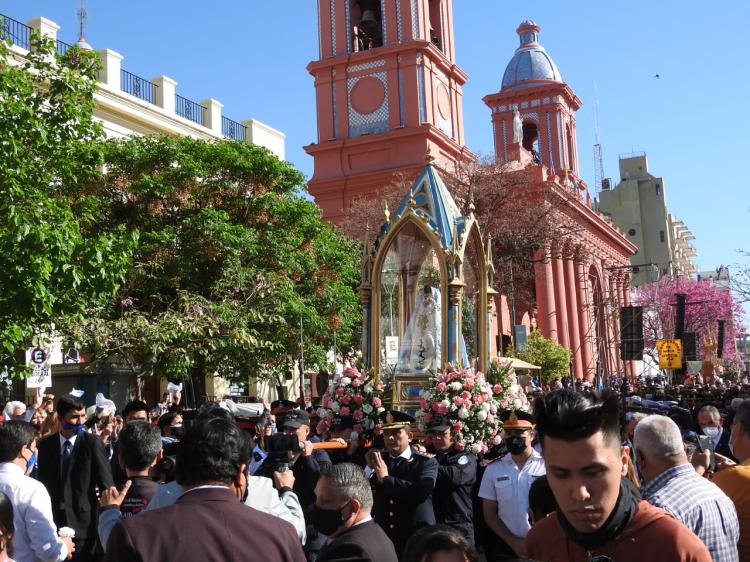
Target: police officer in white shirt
(505,487)
(35,536)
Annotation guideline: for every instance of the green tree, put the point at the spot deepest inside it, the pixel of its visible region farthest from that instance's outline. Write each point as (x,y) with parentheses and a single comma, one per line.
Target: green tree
(554,359)
(230,257)
(53,262)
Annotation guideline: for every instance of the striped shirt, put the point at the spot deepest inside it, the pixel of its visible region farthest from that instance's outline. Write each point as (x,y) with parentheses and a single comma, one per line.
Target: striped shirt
(700,505)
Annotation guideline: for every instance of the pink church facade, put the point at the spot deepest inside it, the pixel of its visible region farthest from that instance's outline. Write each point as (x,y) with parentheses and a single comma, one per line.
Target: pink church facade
(389,91)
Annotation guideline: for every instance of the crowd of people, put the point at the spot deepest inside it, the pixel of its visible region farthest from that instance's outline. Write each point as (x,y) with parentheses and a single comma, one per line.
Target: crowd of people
(584,476)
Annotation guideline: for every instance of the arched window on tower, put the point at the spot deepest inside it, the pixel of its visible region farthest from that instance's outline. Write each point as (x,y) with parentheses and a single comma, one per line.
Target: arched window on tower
(531,140)
(436,24)
(367,24)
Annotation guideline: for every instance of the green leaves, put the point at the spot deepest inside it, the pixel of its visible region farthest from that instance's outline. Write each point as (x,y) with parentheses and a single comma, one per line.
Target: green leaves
(554,359)
(49,149)
(228,259)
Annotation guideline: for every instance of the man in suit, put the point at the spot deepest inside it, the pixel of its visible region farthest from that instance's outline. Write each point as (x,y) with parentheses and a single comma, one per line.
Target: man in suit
(402,481)
(73,465)
(208,521)
(342,511)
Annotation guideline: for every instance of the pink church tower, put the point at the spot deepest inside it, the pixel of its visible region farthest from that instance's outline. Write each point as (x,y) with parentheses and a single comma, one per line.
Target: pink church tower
(388,90)
(534,87)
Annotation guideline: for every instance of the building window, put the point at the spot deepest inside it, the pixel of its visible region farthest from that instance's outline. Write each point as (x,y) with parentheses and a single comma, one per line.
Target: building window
(661,235)
(658,191)
(631,232)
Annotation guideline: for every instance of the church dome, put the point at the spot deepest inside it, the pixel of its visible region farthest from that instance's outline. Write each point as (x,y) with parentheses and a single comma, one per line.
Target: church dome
(530,63)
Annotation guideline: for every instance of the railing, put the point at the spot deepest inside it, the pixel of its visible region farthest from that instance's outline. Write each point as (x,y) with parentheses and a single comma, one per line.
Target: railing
(62,47)
(137,86)
(189,109)
(15,31)
(232,129)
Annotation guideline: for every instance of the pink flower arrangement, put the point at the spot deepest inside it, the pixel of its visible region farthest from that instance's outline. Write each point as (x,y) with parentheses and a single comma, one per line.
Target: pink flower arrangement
(352,393)
(471,406)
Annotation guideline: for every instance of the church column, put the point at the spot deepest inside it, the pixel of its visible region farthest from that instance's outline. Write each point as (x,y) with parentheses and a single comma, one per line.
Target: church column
(560,300)
(584,318)
(545,294)
(573,307)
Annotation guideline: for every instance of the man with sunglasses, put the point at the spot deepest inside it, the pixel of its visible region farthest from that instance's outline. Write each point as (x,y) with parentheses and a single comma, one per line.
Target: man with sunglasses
(505,487)
(600,515)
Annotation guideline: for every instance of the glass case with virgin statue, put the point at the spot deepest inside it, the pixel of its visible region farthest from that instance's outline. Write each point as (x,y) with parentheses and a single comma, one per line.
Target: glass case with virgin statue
(426,282)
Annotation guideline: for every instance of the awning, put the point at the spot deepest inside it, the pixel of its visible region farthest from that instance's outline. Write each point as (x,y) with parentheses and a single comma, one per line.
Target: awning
(519,364)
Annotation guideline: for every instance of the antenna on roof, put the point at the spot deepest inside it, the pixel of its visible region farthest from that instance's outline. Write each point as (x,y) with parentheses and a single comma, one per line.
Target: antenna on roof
(598,159)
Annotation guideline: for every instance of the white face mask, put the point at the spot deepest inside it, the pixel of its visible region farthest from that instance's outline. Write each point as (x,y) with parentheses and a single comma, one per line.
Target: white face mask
(711,432)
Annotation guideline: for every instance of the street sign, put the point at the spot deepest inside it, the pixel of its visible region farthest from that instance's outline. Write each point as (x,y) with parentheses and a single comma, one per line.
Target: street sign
(670,354)
(38,356)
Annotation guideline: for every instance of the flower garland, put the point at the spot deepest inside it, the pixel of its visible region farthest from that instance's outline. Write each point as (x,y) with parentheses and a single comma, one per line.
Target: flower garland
(472,404)
(354,394)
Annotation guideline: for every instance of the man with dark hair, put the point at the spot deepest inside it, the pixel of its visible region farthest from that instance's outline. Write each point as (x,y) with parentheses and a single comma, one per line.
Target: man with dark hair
(402,481)
(735,481)
(35,536)
(133,410)
(211,466)
(73,465)
(457,472)
(342,512)
(600,513)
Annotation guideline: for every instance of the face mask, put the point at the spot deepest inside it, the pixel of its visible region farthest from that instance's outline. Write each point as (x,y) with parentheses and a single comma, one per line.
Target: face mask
(711,432)
(178,431)
(327,521)
(31,462)
(516,445)
(78,428)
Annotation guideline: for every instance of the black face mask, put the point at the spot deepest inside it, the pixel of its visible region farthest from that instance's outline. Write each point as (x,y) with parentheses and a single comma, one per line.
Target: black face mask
(516,445)
(327,521)
(178,431)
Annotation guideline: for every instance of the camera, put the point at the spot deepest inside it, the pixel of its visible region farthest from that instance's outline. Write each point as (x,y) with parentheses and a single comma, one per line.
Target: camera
(283,451)
(698,443)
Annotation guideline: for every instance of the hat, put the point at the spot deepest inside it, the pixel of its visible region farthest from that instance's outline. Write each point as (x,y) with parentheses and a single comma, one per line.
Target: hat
(296,418)
(395,420)
(280,406)
(439,423)
(342,422)
(517,419)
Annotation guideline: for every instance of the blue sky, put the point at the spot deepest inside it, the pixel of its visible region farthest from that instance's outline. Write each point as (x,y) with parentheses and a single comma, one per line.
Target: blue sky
(693,122)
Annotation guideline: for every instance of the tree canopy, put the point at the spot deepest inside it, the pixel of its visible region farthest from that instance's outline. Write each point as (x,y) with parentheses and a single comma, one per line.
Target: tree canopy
(554,359)
(229,258)
(53,261)
(706,304)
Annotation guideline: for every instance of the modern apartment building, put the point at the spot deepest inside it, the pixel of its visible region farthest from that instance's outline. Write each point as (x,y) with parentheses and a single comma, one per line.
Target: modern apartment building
(638,206)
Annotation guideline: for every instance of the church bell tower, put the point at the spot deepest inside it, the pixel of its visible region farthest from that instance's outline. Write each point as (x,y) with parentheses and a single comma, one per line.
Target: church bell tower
(387,91)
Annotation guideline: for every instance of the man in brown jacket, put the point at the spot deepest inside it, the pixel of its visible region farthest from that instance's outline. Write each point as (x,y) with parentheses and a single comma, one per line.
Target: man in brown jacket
(208,521)
(600,513)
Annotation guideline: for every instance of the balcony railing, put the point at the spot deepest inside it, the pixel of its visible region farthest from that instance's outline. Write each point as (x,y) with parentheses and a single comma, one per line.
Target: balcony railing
(189,109)
(232,129)
(15,31)
(62,47)
(137,86)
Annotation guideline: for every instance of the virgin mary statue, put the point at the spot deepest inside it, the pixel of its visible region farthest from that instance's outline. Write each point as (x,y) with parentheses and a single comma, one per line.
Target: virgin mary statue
(420,350)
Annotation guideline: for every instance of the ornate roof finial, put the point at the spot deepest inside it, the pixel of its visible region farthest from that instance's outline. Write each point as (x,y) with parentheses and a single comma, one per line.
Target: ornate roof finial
(412,201)
(82,18)
(428,157)
(472,208)
(387,213)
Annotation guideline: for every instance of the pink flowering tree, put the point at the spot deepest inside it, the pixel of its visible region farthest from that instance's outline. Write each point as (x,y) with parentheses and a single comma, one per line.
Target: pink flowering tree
(472,404)
(706,304)
(353,393)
